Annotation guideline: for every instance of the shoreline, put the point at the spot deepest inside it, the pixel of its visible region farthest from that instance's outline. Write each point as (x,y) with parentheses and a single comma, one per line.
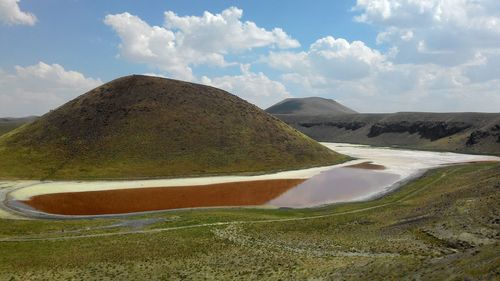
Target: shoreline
(51,187)
(31,213)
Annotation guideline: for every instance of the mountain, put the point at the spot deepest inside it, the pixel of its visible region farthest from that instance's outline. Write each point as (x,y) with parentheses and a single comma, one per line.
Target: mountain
(309,106)
(458,132)
(140,126)
(8,124)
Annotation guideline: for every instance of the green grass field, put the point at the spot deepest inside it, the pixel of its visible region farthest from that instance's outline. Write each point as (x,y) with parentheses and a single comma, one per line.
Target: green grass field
(445,225)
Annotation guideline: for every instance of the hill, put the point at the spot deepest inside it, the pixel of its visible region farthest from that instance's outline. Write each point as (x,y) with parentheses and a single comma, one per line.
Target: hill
(8,124)
(309,106)
(140,126)
(458,132)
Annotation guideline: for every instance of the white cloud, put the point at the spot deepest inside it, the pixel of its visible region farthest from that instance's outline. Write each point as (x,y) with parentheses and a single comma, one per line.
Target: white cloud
(369,81)
(10,13)
(256,88)
(446,32)
(38,88)
(330,59)
(225,32)
(185,41)
(155,75)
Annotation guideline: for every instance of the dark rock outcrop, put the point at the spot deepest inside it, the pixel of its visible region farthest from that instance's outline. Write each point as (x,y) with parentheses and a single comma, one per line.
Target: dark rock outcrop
(428,130)
(478,135)
(466,132)
(341,125)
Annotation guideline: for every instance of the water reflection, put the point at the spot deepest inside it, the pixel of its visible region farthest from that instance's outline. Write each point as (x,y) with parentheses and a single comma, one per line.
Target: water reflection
(336,185)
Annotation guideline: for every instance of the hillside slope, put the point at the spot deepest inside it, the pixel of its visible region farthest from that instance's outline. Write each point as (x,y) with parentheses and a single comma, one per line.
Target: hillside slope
(459,132)
(140,126)
(8,124)
(309,106)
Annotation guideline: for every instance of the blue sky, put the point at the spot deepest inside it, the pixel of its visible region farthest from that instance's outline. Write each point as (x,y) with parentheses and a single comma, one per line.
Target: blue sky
(374,56)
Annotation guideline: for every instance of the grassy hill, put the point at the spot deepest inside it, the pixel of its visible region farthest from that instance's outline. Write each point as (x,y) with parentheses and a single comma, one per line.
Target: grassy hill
(140,126)
(9,124)
(309,106)
(458,132)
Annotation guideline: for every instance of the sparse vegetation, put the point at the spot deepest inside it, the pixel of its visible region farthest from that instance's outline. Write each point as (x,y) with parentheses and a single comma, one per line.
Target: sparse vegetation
(444,225)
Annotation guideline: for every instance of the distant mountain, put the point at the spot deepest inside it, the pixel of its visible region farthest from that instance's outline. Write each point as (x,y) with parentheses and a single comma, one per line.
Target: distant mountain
(458,132)
(8,124)
(309,106)
(140,126)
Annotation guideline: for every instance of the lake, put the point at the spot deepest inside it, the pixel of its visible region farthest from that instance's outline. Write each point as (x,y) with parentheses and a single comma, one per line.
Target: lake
(374,172)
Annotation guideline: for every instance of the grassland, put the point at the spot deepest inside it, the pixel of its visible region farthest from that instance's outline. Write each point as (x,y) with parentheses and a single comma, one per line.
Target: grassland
(9,124)
(443,226)
(6,127)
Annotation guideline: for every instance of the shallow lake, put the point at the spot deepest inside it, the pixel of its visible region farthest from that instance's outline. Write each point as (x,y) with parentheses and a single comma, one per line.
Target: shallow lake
(336,185)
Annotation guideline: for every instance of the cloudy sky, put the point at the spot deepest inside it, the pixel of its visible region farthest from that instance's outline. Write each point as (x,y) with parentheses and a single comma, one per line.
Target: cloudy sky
(371,55)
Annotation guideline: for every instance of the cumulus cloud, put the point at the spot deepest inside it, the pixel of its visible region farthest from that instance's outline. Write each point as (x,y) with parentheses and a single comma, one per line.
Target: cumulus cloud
(224,32)
(10,14)
(446,32)
(35,89)
(256,88)
(184,41)
(446,52)
(330,59)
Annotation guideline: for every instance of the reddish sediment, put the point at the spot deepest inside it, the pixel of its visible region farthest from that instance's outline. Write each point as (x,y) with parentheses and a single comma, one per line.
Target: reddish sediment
(121,201)
(367,165)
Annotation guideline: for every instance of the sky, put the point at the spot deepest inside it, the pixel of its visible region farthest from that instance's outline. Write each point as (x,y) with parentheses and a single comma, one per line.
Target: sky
(370,55)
